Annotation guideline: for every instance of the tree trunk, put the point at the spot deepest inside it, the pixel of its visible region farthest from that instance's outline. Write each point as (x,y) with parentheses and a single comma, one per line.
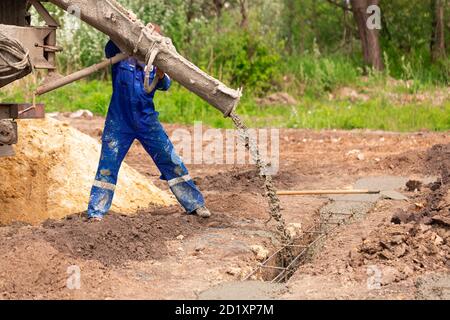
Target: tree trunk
(438,35)
(347,38)
(290,18)
(218,6)
(244,14)
(190,14)
(370,39)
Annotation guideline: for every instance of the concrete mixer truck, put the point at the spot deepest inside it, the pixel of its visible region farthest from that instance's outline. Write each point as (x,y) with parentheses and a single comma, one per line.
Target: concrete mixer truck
(24,48)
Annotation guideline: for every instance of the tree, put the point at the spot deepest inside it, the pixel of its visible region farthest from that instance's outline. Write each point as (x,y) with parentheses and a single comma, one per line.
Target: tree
(370,39)
(438,36)
(218,5)
(244,13)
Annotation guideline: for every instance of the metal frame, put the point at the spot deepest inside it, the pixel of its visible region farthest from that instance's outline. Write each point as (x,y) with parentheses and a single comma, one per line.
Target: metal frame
(319,231)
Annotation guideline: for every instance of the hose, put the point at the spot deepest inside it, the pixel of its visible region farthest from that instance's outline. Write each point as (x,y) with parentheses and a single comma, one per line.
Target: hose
(15,58)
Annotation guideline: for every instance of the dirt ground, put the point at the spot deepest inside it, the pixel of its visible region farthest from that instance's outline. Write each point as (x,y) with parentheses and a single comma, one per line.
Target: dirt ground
(399,250)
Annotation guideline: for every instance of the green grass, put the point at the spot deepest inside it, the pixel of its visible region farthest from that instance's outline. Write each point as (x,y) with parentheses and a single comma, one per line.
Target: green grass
(91,95)
(180,106)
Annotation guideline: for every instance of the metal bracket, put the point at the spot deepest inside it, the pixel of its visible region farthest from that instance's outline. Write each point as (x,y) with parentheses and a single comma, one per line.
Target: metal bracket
(22,111)
(14,111)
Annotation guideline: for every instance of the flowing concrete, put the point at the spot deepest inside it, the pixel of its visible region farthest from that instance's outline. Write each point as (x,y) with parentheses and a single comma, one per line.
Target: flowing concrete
(361,204)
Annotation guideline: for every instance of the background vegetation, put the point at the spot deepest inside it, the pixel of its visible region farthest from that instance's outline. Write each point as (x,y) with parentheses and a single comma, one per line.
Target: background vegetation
(310,49)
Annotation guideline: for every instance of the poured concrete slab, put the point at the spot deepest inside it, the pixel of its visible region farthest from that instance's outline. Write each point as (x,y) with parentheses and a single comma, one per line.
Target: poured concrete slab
(385,184)
(393,195)
(246,290)
(360,204)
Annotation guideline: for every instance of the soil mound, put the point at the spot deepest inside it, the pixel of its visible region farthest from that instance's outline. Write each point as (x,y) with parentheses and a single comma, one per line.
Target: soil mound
(427,162)
(118,238)
(420,235)
(52,173)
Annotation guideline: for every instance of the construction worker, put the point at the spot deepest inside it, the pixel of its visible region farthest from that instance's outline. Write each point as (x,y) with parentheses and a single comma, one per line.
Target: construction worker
(131,116)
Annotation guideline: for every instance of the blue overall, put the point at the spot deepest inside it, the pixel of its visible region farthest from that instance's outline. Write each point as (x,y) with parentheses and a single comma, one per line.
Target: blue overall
(131,116)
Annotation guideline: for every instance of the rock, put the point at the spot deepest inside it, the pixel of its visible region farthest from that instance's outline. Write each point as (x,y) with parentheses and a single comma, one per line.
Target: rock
(351,94)
(357,154)
(353,152)
(399,251)
(199,248)
(401,217)
(389,275)
(438,219)
(233,271)
(438,240)
(52,114)
(413,185)
(260,252)
(280,98)
(180,237)
(397,239)
(407,271)
(85,114)
(386,254)
(294,230)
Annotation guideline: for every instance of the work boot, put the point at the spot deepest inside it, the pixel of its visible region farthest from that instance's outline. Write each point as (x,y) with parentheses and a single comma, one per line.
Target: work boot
(95,219)
(203,212)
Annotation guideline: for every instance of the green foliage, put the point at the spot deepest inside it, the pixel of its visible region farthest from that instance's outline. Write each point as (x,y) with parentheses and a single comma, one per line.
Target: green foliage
(322,75)
(311,22)
(313,40)
(180,106)
(91,95)
(246,60)
(309,48)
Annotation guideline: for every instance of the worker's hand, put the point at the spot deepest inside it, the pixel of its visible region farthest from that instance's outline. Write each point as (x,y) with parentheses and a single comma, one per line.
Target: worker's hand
(160,74)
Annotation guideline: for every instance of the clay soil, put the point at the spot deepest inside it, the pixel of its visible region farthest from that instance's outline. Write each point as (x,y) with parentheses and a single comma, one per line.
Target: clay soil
(160,253)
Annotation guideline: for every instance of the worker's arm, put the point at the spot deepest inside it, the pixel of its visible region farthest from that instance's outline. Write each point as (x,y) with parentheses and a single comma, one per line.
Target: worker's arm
(164,81)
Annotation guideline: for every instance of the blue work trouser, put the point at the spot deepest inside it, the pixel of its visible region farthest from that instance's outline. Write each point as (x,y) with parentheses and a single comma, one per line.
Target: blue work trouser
(115,146)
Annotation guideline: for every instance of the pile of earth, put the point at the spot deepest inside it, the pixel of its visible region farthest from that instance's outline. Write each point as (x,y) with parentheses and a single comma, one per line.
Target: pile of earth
(118,238)
(408,247)
(52,174)
(416,239)
(428,162)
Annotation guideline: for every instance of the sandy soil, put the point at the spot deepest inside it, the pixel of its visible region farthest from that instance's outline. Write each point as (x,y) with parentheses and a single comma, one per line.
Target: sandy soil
(163,254)
(49,176)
